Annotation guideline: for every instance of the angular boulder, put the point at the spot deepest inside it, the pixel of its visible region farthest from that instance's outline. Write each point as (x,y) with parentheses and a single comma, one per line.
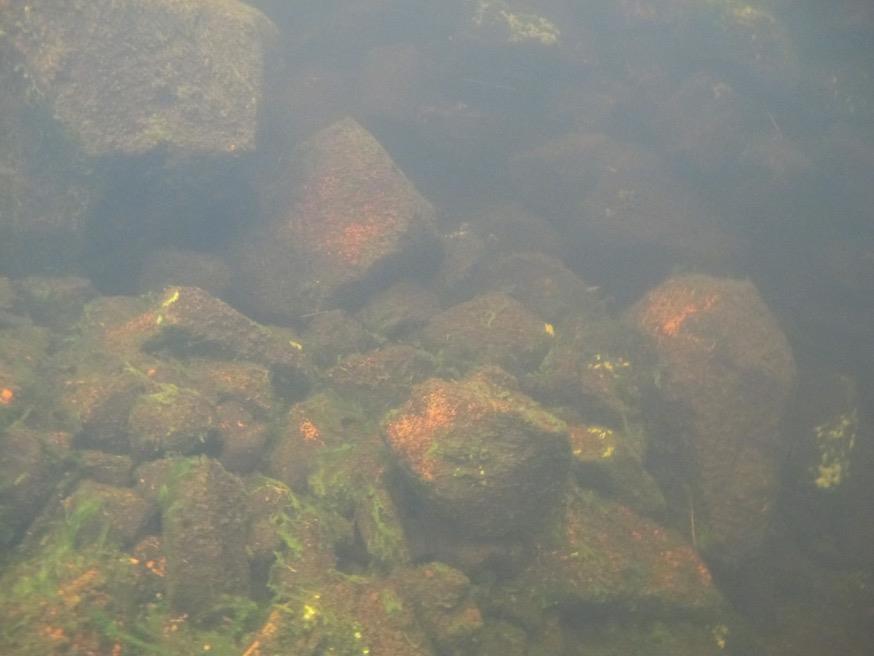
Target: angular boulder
(726,374)
(480,454)
(126,76)
(343,220)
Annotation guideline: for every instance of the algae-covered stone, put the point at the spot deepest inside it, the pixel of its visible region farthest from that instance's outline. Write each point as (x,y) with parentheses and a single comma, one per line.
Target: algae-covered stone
(824,497)
(242,437)
(47,191)
(602,554)
(726,375)
(106,468)
(493,329)
(612,462)
(442,598)
(334,334)
(322,421)
(399,310)
(204,531)
(382,377)
(378,522)
(343,615)
(344,220)
(23,347)
(55,302)
(31,464)
(541,283)
(120,513)
(595,365)
(480,454)
(188,321)
(170,421)
(614,201)
(125,77)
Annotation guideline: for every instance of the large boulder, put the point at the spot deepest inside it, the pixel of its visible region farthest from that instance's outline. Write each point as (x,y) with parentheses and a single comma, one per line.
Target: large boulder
(603,554)
(124,77)
(342,220)
(480,454)
(204,528)
(726,374)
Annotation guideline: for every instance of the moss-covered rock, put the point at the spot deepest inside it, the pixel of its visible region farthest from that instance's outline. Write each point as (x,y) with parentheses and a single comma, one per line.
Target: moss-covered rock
(121,514)
(204,531)
(480,454)
(726,376)
(31,464)
(135,77)
(612,462)
(170,420)
(493,329)
(345,225)
(603,555)
(382,377)
(23,348)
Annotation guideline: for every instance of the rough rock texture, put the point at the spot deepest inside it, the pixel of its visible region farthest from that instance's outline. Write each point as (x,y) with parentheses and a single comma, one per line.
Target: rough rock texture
(726,375)
(31,463)
(46,190)
(343,219)
(616,201)
(493,329)
(204,530)
(604,554)
(125,76)
(480,454)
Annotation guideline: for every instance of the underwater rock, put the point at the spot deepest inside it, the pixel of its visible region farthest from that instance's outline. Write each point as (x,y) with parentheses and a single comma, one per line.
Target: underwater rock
(46,191)
(746,38)
(399,310)
(170,421)
(706,124)
(602,554)
(616,201)
(55,302)
(726,374)
(120,514)
(540,282)
(106,468)
(169,266)
(443,601)
(382,377)
(343,615)
(493,329)
(479,454)
(343,221)
(125,77)
(595,365)
(31,464)
(187,323)
(321,421)
(242,438)
(827,486)
(333,334)
(23,350)
(612,462)
(204,533)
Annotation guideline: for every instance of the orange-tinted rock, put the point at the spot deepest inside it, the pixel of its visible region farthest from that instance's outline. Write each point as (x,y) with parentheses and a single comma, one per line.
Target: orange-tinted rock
(343,220)
(480,454)
(726,375)
(605,555)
